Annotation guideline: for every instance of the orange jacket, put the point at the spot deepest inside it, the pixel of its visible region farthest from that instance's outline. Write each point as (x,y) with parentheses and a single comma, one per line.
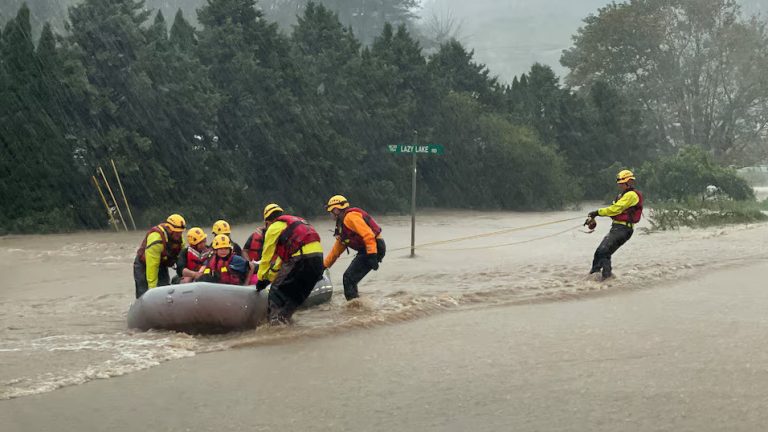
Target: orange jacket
(355,222)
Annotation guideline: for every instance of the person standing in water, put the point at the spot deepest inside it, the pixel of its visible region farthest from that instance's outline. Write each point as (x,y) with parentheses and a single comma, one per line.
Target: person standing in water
(626,211)
(355,229)
(158,252)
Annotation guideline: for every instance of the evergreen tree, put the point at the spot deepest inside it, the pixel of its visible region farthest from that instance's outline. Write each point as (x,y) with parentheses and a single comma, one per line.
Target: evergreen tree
(182,33)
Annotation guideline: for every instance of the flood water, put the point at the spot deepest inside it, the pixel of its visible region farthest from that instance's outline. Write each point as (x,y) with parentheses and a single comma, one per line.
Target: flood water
(64,299)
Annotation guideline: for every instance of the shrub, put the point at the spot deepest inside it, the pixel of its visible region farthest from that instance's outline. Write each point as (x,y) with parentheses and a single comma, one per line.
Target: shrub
(689,174)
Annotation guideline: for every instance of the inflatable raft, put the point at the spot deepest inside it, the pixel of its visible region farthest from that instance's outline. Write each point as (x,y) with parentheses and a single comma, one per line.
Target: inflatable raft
(203,307)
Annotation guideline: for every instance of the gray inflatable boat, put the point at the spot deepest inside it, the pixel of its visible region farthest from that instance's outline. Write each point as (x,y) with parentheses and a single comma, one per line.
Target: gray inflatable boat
(202,307)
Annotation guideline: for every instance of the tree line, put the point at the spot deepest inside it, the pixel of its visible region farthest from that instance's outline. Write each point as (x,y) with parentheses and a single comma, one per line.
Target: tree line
(216,120)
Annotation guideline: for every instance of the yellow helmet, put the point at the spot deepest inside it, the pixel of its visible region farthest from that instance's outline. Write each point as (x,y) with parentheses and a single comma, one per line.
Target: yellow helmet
(337,202)
(176,223)
(221,227)
(222,241)
(624,176)
(195,236)
(270,209)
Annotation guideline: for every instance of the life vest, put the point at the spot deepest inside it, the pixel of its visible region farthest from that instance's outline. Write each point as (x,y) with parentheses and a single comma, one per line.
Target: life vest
(218,268)
(196,259)
(633,214)
(297,233)
(171,247)
(255,244)
(350,238)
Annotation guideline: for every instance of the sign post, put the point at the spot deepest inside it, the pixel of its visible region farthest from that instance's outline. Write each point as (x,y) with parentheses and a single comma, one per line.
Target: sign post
(415,149)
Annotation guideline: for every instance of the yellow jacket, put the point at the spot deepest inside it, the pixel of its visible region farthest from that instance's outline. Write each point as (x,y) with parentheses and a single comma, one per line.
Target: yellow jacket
(153,255)
(268,271)
(629,199)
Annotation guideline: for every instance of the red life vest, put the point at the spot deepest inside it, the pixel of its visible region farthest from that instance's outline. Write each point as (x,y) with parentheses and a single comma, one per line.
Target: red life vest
(171,247)
(255,244)
(633,214)
(297,234)
(219,268)
(352,239)
(196,259)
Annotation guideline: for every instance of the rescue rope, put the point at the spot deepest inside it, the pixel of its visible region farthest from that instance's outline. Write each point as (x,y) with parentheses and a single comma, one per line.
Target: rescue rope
(508,244)
(494,233)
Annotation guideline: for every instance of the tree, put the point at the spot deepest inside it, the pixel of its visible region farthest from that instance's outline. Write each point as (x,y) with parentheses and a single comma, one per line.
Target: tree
(182,33)
(367,18)
(493,163)
(42,187)
(454,68)
(696,66)
(268,123)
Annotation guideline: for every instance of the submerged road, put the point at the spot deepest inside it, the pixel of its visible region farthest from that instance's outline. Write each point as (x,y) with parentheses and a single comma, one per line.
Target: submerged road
(687,356)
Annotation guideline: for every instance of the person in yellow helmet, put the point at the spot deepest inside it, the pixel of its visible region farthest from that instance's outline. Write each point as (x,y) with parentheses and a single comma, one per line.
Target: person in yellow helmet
(626,211)
(159,250)
(225,266)
(297,245)
(191,259)
(223,227)
(357,230)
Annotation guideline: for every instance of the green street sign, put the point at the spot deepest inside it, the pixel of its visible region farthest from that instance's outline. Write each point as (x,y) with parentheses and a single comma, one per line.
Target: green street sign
(419,149)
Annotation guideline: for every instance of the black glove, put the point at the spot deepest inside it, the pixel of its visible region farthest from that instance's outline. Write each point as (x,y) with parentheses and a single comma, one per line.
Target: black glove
(261,285)
(373,261)
(593,214)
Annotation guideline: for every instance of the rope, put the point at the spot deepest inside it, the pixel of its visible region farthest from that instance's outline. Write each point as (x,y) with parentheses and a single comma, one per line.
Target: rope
(509,244)
(490,234)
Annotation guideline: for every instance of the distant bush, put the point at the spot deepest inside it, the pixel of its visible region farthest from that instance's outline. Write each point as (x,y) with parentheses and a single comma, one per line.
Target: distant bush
(689,174)
(702,214)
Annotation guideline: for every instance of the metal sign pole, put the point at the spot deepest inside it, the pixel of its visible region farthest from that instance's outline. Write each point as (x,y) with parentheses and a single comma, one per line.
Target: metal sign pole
(414,149)
(413,197)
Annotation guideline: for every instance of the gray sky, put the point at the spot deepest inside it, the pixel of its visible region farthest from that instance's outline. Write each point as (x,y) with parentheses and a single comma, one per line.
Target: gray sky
(510,35)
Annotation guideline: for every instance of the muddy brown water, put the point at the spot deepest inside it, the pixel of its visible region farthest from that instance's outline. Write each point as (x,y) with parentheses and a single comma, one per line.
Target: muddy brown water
(64,298)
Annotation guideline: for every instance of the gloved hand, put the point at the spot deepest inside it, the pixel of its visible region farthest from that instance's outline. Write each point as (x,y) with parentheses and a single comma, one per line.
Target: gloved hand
(593,214)
(261,285)
(590,223)
(373,261)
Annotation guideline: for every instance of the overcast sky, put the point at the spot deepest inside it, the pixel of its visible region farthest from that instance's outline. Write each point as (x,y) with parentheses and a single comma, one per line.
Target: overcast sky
(510,35)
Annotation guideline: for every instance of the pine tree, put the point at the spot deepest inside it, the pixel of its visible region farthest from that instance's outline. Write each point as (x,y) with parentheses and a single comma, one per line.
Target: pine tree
(182,33)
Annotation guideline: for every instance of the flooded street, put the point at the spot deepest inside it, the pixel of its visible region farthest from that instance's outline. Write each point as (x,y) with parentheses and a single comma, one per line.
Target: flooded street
(686,356)
(63,305)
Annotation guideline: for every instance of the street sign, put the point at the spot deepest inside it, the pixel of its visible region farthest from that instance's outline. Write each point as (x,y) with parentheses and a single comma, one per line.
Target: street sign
(418,149)
(414,150)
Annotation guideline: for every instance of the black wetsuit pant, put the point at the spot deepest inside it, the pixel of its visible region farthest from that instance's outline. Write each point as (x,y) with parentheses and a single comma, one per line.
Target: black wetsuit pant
(140,277)
(617,236)
(292,286)
(359,269)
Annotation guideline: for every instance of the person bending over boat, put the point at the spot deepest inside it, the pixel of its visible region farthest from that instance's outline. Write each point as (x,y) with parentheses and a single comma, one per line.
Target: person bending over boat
(297,245)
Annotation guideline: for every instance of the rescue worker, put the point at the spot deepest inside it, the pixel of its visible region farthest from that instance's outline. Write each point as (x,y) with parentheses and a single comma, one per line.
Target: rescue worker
(297,245)
(626,211)
(225,266)
(158,251)
(357,230)
(223,227)
(252,249)
(253,246)
(191,260)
